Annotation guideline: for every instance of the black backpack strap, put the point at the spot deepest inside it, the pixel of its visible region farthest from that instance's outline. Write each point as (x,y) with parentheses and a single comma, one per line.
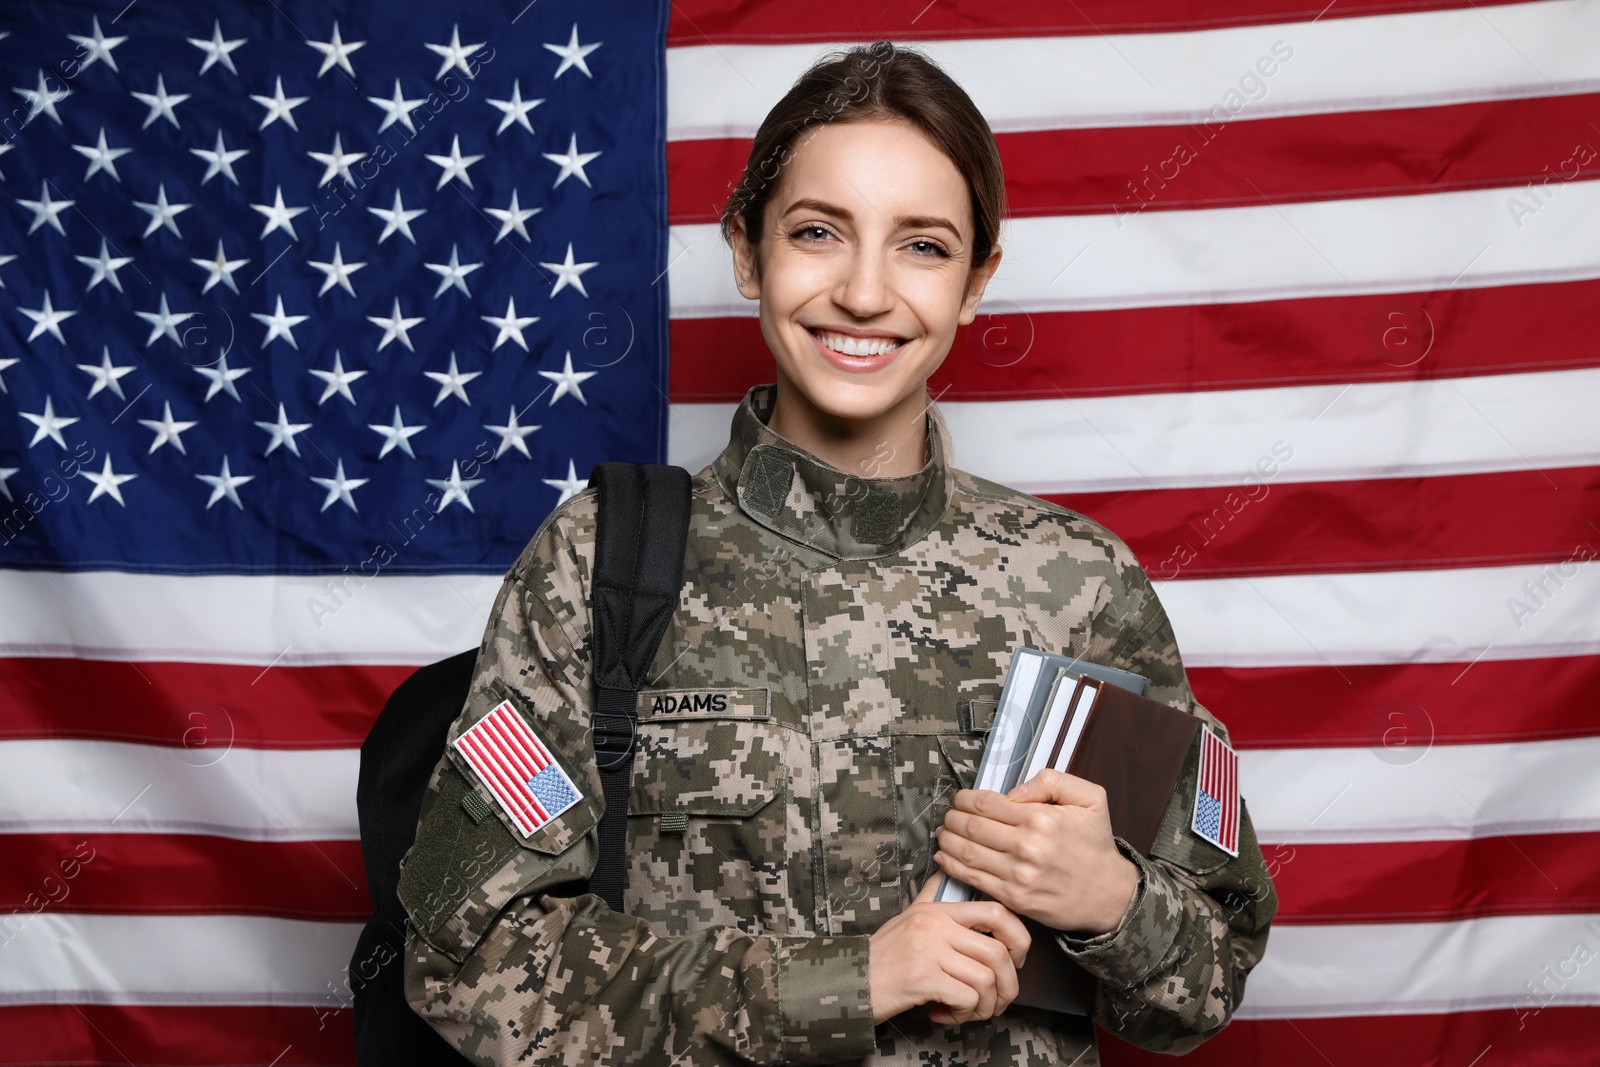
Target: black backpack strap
(638,579)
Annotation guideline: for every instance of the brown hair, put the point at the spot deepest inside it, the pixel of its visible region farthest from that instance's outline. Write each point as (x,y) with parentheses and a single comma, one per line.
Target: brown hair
(876,81)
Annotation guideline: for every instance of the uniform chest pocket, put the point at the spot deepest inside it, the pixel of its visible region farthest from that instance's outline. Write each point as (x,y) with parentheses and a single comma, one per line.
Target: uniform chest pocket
(929,769)
(707,812)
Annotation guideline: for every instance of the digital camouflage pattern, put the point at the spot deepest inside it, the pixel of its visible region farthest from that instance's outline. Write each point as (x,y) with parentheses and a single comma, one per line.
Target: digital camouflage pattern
(819,696)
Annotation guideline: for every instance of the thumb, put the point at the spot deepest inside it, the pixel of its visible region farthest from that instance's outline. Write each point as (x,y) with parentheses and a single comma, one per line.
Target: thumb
(929,889)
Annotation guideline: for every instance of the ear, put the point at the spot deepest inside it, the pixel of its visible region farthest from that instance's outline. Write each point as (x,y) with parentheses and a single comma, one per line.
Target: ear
(745,273)
(980,280)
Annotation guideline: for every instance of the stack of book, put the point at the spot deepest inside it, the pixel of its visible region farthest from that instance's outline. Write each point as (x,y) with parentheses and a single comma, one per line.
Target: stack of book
(1094,722)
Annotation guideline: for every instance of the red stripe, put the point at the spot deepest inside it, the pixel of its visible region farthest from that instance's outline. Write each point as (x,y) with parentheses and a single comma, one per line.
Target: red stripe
(1435,881)
(1129,170)
(1386,705)
(702,22)
(487,763)
(170,703)
(484,744)
(1271,526)
(1232,808)
(183,874)
(1010,355)
(510,723)
(1553,1037)
(188,1035)
(500,735)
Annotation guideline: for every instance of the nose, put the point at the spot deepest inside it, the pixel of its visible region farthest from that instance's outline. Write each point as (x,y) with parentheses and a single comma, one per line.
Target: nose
(864,289)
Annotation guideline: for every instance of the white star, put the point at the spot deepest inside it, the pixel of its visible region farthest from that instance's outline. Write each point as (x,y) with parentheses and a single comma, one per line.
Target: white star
(222,379)
(3,261)
(279,325)
(47,319)
(49,424)
(568,381)
(5,363)
(105,267)
(42,99)
(163,321)
(571,162)
(279,107)
(283,432)
(168,430)
(5,476)
(570,486)
(394,326)
(397,109)
(278,216)
(569,273)
(512,218)
(512,435)
(217,50)
(396,435)
(510,324)
(452,382)
(105,375)
(99,47)
(225,484)
(162,213)
(107,483)
(220,160)
(101,156)
(161,104)
(572,54)
(397,218)
(336,53)
(516,109)
(455,487)
(338,272)
(453,273)
(455,53)
(4,148)
(220,269)
(338,380)
(455,165)
(46,210)
(339,487)
(337,161)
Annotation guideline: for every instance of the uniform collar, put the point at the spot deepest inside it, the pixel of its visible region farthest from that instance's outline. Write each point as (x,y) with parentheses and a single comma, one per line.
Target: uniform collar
(792,492)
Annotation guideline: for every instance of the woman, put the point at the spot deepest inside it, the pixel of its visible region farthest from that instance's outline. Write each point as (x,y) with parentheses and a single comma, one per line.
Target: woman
(850,604)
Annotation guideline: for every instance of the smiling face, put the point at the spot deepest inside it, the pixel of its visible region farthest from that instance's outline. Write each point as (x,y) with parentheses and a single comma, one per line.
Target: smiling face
(863,277)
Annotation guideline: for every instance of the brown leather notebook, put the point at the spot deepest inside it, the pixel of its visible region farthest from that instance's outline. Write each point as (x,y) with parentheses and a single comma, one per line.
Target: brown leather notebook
(1134,747)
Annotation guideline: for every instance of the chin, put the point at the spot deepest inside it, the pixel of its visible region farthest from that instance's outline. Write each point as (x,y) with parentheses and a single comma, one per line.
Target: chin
(856,397)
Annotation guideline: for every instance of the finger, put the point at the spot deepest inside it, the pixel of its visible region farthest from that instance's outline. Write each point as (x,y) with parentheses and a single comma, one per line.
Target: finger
(972,854)
(992,917)
(973,973)
(989,804)
(1058,787)
(950,990)
(982,881)
(997,835)
(995,955)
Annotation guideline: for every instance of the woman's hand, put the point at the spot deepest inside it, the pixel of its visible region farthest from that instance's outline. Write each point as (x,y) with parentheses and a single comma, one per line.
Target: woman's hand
(935,953)
(1044,850)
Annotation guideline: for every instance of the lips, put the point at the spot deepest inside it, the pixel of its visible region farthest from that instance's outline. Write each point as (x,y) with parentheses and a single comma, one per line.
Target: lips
(855,364)
(843,343)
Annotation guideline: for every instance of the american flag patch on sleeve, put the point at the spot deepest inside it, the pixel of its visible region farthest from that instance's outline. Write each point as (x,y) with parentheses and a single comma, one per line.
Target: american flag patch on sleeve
(519,771)
(1216,798)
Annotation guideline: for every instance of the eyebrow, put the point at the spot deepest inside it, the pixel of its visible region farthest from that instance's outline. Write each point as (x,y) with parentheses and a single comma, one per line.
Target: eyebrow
(907,222)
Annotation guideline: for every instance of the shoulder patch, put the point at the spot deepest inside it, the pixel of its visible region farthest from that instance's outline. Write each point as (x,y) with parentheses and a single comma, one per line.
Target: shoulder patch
(1216,796)
(517,769)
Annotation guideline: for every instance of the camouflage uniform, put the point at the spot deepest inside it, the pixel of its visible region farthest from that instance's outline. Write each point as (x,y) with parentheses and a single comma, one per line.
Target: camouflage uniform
(819,695)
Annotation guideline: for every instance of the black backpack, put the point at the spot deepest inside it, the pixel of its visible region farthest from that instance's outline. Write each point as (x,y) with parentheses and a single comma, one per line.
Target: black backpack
(643,528)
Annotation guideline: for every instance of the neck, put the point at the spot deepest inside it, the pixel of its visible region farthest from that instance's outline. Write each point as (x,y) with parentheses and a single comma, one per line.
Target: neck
(889,445)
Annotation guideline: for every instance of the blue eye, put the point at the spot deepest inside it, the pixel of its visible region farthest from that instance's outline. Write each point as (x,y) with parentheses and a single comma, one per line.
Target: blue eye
(937,250)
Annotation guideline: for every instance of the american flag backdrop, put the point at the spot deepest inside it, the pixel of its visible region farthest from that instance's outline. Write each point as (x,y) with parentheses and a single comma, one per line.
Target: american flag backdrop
(1299,300)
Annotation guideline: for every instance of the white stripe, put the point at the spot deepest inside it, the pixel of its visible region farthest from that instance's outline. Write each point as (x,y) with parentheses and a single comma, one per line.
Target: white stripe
(1426,968)
(1383,244)
(1454,615)
(1308,971)
(57,786)
(1447,792)
(249,619)
(1135,79)
(54,958)
(1227,437)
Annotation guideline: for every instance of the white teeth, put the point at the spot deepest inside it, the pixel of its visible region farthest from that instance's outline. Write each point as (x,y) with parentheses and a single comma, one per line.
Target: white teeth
(856,346)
